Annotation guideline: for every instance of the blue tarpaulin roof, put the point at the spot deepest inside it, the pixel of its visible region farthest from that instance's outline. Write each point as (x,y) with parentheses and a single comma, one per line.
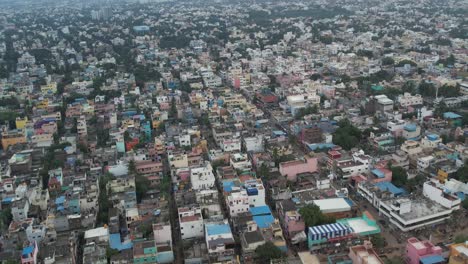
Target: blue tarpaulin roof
(451,115)
(215,229)
(378,173)
(28,250)
(116,243)
(227,186)
(278,133)
(432,259)
(320,146)
(7,200)
(388,186)
(263,221)
(410,127)
(60,200)
(260,210)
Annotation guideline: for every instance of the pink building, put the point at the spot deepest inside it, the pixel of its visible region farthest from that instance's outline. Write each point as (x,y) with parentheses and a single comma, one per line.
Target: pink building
(29,254)
(290,218)
(291,169)
(420,251)
(149,168)
(362,254)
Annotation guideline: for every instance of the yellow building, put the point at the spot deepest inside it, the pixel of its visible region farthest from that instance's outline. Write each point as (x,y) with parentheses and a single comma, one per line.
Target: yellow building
(50,88)
(21,122)
(44,104)
(442,175)
(459,253)
(10,138)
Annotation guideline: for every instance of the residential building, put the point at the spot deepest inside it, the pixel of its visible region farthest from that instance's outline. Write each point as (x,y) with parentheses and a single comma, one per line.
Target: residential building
(422,252)
(202,178)
(440,196)
(291,169)
(219,241)
(191,222)
(458,253)
(364,254)
(407,99)
(409,214)
(29,254)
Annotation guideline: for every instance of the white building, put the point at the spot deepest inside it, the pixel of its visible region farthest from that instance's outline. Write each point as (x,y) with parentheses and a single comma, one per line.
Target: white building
(438,195)
(411,147)
(396,125)
(408,214)
(384,104)
(162,233)
(237,202)
(357,164)
(98,235)
(255,192)
(254,144)
(202,178)
(191,222)
(455,186)
(231,144)
(424,162)
(407,99)
(431,141)
(240,161)
(300,101)
(411,131)
(184,140)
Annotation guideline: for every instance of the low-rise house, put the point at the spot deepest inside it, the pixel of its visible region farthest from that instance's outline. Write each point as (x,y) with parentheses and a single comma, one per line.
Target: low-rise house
(219,241)
(422,252)
(291,169)
(191,222)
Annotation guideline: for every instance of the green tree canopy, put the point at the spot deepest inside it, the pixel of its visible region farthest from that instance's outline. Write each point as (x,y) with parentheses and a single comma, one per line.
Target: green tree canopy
(347,136)
(378,241)
(388,61)
(266,252)
(399,176)
(313,216)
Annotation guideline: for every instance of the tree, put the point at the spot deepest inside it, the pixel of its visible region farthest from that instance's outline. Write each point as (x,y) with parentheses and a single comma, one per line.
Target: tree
(378,241)
(399,176)
(263,171)
(127,137)
(266,252)
(173,110)
(461,238)
(347,136)
(132,167)
(110,252)
(388,61)
(394,260)
(5,218)
(313,216)
(427,89)
(403,62)
(408,87)
(306,111)
(103,199)
(465,204)
(462,173)
(142,185)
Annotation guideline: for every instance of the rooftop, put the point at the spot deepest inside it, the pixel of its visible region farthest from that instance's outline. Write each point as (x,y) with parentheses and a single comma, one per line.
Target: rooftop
(217,229)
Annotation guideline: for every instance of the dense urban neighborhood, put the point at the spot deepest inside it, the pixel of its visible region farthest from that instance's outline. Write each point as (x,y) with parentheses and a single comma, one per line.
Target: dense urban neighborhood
(244,131)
